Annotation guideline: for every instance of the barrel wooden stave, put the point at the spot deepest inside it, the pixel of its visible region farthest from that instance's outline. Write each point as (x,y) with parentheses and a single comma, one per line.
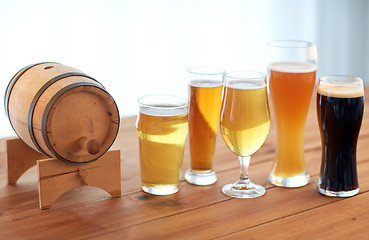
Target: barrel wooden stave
(85,105)
(23,92)
(81,121)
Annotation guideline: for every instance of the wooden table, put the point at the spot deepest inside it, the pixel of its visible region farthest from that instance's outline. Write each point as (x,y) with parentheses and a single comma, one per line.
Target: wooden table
(195,212)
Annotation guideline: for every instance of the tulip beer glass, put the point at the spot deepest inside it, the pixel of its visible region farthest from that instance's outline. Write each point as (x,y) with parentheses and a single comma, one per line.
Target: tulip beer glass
(291,80)
(162,128)
(205,96)
(340,108)
(244,124)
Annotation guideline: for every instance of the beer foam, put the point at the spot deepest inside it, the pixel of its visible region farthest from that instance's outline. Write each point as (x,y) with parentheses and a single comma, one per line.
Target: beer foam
(246,85)
(340,91)
(206,83)
(163,111)
(292,67)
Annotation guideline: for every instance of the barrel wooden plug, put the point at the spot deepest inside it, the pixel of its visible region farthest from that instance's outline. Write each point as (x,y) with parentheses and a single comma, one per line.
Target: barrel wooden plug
(62,112)
(92,146)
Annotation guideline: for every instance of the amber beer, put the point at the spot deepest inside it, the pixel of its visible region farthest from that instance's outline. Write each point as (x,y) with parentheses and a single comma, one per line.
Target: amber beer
(340,109)
(245,119)
(291,85)
(162,132)
(204,110)
(205,95)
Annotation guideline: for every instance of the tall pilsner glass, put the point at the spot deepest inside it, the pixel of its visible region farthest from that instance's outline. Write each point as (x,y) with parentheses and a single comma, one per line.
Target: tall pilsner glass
(244,124)
(291,80)
(205,95)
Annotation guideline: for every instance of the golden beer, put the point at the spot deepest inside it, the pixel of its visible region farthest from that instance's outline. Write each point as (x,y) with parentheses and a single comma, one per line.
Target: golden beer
(204,110)
(291,85)
(205,96)
(245,119)
(162,136)
(244,124)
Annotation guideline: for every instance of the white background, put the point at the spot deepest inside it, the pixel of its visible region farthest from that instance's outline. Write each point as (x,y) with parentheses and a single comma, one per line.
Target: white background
(138,47)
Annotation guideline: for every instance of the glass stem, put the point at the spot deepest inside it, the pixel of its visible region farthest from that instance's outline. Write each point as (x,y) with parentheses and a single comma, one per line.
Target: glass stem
(244,169)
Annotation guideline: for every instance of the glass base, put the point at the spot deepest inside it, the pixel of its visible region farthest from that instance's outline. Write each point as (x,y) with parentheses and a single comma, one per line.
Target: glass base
(241,191)
(201,177)
(339,193)
(290,182)
(161,189)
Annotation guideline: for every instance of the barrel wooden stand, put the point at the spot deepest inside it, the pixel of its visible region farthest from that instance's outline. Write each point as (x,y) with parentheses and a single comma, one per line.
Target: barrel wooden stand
(56,177)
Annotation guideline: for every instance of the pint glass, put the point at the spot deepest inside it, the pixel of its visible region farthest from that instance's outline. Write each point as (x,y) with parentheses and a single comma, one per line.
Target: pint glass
(205,96)
(292,75)
(162,128)
(340,108)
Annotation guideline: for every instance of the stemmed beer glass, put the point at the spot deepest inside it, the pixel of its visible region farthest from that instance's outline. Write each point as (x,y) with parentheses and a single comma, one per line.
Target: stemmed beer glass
(244,124)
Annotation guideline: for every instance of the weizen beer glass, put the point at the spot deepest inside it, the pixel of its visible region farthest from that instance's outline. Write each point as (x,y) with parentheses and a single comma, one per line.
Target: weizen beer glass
(292,75)
(340,108)
(162,128)
(244,124)
(205,94)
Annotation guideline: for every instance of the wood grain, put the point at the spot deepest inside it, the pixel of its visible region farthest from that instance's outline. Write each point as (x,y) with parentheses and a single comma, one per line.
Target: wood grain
(51,106)
(58,177)
(195,212)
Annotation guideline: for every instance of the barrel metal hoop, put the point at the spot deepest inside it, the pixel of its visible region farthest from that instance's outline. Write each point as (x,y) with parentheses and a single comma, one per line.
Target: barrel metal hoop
(13,81)
(9,90)
(47,111)
(37,97)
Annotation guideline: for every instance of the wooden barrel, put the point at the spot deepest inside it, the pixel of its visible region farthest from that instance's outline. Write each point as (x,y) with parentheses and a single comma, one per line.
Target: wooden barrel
(61,112)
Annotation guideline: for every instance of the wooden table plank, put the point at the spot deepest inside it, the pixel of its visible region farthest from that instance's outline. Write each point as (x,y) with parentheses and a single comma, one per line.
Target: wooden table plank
(324,222)
(139,208)
(196,211)
(234,215)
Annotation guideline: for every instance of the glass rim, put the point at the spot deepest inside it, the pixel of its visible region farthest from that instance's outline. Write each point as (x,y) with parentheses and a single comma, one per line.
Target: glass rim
(291,44)
(170,105)
(217,71)
(335,79)
(251,75)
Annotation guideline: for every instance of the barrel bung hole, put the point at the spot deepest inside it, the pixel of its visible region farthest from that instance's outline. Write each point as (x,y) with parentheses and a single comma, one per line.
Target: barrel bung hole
(48,67)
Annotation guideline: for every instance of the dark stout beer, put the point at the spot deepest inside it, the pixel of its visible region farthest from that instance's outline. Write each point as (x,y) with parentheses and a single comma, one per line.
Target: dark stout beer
(340,110)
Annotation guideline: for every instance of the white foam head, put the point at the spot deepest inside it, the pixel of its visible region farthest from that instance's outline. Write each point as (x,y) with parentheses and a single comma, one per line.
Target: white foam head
(206,83)
(245,85)
(161,111)
(245,80)
(163,105)
(341,86)
(292,67)
(340,91)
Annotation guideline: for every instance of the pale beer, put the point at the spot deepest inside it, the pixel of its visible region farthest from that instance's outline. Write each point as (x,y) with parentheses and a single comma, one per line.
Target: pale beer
(245,119)
(162,132)
(244,124)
